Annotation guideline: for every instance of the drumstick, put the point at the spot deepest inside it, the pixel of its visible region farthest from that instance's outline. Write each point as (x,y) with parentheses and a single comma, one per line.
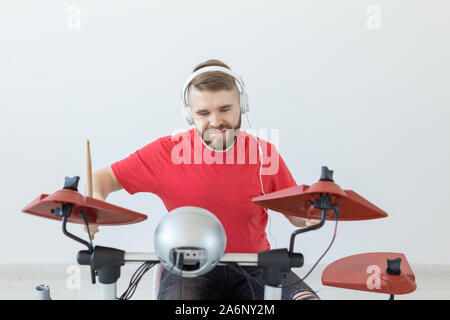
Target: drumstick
(89,169)
(89,180)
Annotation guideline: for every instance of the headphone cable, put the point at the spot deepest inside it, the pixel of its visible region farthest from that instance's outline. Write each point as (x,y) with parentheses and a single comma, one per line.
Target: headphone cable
(260,178)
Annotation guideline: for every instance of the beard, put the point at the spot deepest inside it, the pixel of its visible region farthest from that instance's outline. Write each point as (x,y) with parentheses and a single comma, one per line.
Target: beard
(212,137)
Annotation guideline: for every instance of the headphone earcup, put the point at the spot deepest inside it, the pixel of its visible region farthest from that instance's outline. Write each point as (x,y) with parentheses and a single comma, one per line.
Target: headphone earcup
(244,102)
(188,115)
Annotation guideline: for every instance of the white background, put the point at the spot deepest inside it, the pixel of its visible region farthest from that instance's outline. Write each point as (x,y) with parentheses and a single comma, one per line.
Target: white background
(371,104)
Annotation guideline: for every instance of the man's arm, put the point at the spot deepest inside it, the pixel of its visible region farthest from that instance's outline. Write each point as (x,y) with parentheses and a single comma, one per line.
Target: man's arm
(301,222)
(104,182)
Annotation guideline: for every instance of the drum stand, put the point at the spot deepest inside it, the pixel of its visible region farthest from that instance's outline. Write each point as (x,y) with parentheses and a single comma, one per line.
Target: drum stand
(106,262)
(323,196)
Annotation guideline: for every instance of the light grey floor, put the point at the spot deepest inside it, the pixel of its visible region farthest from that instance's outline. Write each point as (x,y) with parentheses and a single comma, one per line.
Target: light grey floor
(19,281)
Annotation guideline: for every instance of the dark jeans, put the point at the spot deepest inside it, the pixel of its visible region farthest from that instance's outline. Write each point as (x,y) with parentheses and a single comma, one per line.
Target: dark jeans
(223,283)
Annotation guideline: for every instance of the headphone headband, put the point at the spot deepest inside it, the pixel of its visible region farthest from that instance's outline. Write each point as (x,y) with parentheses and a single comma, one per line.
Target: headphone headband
(239,81)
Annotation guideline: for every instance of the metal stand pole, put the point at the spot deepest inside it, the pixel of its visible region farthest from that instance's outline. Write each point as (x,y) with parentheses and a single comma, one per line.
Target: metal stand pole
(272,293)
(108,291)
(42,292)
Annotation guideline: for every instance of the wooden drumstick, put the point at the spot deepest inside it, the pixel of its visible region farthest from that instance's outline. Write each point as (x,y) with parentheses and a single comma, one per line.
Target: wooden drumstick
(89,180)
(88,169)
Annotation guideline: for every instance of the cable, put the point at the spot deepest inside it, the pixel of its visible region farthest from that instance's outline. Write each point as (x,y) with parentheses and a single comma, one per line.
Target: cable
(135,279)
(238,269)
(260,178)
(249,284)
(235,267)
(178,257)
(83,215)
(334,236)
(137,276)
(179,263)
(336,215)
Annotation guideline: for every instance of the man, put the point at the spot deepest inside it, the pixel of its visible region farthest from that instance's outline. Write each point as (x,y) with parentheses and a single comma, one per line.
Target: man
(217,167)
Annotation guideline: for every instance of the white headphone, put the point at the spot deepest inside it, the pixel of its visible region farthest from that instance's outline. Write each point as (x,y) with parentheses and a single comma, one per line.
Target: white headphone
(239,82)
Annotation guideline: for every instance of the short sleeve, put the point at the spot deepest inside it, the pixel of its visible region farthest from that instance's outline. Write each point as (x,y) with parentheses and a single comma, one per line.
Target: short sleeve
(140,171)
(278,173)
(283,178)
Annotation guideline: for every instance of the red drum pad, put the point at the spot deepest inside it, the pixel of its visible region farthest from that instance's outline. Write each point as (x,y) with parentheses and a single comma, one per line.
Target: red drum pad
(368,272)
(97,211)
(297,200)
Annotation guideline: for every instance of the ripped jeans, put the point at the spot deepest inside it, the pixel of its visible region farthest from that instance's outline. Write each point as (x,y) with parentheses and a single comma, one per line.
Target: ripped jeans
(223,283)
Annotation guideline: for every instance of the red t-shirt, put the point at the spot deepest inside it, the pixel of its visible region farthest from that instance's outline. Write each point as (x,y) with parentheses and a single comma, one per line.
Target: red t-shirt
(181,171)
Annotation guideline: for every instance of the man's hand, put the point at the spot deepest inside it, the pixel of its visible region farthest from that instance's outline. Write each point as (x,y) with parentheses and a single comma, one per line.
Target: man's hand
(103,183)
(311,222)
(93,228)
(301,222)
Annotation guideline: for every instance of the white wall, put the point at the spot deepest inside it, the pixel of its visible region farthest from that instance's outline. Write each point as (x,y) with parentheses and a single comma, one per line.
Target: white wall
(371,104)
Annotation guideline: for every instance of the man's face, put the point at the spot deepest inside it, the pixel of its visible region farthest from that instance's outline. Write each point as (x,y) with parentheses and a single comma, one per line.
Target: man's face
(216,115)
